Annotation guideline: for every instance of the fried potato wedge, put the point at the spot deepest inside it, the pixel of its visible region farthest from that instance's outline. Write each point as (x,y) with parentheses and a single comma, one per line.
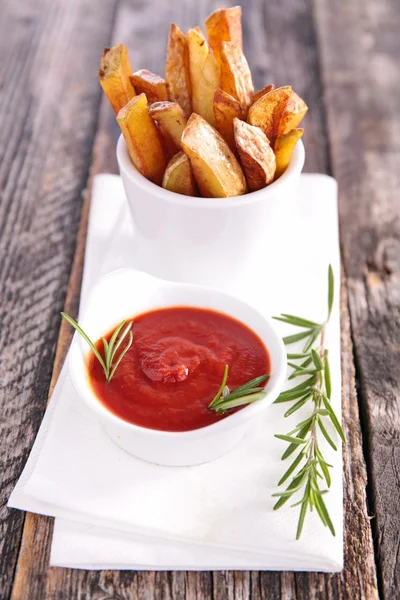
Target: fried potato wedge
(226,108)
(114,74)
(235,75)
(284,146)
(177,74)
(142,138)
(224,25)
(171,121)
(150,84)
(204,75)
(178,176)
(256,155)
(215,167)
(265,90)
(277,112)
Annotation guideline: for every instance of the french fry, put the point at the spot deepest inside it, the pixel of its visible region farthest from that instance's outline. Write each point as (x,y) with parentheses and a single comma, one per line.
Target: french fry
(114,75)
(177,74)
(277,112)
(226,108)
(150,84)
(224,25)
(235,75)
(256,155)
(171,121)
(203,75)
(178,176)
(142,138)
(284,146)
(265,90)
(215,167)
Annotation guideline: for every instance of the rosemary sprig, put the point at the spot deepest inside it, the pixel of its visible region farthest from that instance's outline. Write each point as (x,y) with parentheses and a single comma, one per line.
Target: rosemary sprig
(313,363)
(247,393)
(110,362)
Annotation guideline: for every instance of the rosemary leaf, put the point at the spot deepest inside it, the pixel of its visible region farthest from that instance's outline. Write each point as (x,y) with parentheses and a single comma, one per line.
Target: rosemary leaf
(312,339)
(297,405)
(292,467)
(85,337)
(290,339)
(221,389)
(121,356)
(290,439)
(327,376)
(297,321)
(326,434)
(294,356)
(317,360)
(302,516)
(239,401)
(333,418)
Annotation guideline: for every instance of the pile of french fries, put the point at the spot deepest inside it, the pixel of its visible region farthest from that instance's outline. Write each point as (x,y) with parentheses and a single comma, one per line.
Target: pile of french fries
(202,130)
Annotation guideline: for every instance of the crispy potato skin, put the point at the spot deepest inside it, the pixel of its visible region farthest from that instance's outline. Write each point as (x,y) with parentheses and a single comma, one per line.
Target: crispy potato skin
(114,74)
(215,167)
(178,176)
(177,74)
(150,84)
(256,155)
(284,146)
(142,139)
(204,75)
(277,112)
(295,110)
(235,75)
(265,90)
(226,108)
(171,121)
(224,25)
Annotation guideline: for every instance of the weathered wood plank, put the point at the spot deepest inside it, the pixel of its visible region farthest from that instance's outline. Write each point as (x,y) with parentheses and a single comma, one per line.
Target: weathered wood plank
(362,88)
(48,111)
(296,62)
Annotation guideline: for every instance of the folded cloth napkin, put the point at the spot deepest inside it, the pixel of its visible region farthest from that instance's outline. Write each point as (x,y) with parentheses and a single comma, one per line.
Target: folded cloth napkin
(115,511)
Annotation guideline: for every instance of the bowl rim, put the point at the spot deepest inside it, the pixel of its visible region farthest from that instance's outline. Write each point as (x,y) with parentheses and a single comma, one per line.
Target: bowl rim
(127,169)
(244,413)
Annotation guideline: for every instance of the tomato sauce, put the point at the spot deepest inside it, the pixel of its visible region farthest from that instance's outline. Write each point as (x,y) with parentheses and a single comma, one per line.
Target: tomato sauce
(175,366)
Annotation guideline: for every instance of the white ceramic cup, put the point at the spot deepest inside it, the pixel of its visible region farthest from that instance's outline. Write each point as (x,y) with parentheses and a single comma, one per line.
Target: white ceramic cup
(207,240)
(127,292)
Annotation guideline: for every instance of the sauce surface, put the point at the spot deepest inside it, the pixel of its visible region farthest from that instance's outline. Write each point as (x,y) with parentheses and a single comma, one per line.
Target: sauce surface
(175,366)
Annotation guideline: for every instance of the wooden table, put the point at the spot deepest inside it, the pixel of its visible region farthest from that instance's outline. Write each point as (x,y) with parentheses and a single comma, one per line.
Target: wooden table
(343,57)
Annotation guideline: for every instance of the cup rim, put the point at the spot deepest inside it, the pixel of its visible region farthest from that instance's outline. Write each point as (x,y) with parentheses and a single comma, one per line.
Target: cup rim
(247,412)
(127,169)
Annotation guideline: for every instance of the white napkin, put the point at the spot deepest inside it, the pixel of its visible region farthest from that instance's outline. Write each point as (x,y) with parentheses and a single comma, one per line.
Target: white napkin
(116,511)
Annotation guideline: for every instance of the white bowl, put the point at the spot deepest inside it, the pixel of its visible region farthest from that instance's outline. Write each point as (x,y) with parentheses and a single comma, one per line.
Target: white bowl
(198,240)
(126,293)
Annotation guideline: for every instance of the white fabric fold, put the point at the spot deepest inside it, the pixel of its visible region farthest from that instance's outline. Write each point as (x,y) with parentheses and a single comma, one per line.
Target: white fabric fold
(115,511)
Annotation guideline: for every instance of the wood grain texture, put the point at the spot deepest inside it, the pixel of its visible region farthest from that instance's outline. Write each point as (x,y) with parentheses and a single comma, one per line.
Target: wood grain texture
(362,89)
(266,26)
(48,109)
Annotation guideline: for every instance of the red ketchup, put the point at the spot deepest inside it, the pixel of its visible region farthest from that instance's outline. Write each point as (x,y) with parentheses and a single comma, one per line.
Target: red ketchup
(175,366)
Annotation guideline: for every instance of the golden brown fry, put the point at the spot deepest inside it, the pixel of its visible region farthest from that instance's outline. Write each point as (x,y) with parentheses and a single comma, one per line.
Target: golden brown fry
(265,90)
(277,112)
(171,121)
(226,108)
(235,75)
(177,74)
(142,138)
(178,176)
(203,75)
(114,75)
(295,110)
(256,155)
(215,167)
(150,84)
(224,25)
(284,146)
